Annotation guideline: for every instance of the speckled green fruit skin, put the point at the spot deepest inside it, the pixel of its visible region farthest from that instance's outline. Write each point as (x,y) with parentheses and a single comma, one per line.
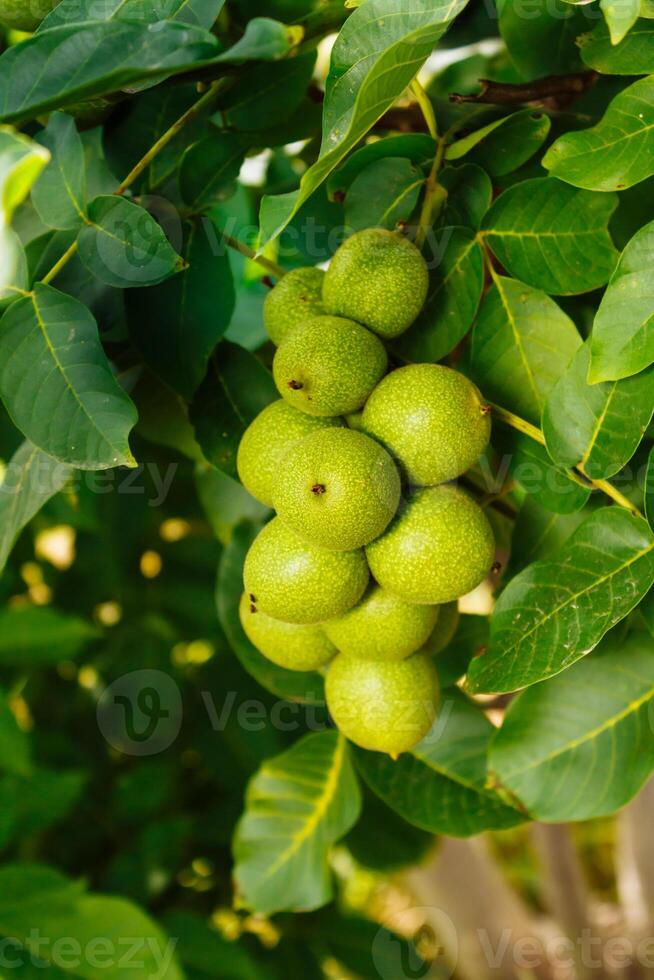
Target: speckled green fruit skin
(24,15)
(296,583)
(378,278)
(431,419)
(385,707)
(444,630)
(382,627)
(267,440)
(328,366)
(288,645)
(439,547)
(338,489)
(296,298)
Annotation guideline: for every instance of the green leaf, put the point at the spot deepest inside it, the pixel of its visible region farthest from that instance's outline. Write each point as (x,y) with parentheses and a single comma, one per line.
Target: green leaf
(383,194)
(579,746)
(177,324)
(553,236)
(197,13)
(541,40)
(300,686)
(30,480)
(209,169)
(632,56)
(39,799)
(521,345)
(124,246)
(596,427)
(31,636)
(57,384)
(649,489)
(236,389)
(297,806)
(530,465)
(40,74)
(46,906)
(620,15)
(455,287)
(440,785)
(419,148)
(622,342)
(14,743)
(59,194)
(539,533)
(469,195)
(556,611)
(615,154)
(504,144)
(226,502)
(202,947)
(21,162)
(363,83)
(267,95)
(14,279)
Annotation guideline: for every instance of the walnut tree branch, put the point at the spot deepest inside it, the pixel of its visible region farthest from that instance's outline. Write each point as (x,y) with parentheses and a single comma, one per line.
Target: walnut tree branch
(558,90)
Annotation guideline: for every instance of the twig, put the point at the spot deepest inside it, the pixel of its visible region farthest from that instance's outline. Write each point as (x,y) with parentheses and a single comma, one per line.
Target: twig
(145,161)
(563,89)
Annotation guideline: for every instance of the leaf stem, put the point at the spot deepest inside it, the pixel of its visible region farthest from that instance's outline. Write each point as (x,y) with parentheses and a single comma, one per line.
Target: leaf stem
(435,194)
(145,161)
(426,107)
(578,476)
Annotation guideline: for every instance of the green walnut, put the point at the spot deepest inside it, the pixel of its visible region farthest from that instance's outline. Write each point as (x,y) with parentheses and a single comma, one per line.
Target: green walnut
(292,581)
(444,630)
(24,15)
(296,297)
(384,706)
(338,489)
(378,278)
(439,547)
(382,627)
(328,366)
(266,441)
(431,419)
(288,645)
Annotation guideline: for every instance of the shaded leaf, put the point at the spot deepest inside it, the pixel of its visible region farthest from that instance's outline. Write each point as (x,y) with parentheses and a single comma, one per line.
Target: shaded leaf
(202,947)
(531,466)
(236,389)
(622,342)
(632,56)
(455,287)
(469,195)
(363,83)
(57,384)
(209,169)
(30,480)
(419,148)
(14,743)
(579,745)
(21,162)
(543,42)
(58,68)
(59,194)
(177,324)
(539,533)
(596,427)
(383,194)
(615,154)
(553,236)
(124,246)
(504,144)
(31,636)
(556,611)
(521,345)
(297,806)
(649,489)
(305,687)
(440,785)
(226,502)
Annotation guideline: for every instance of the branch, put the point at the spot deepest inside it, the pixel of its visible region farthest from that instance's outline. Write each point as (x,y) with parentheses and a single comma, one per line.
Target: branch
(560,90)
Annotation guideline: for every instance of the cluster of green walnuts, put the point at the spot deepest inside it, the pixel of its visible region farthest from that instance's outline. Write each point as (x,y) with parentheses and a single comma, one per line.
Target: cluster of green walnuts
(372,544)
